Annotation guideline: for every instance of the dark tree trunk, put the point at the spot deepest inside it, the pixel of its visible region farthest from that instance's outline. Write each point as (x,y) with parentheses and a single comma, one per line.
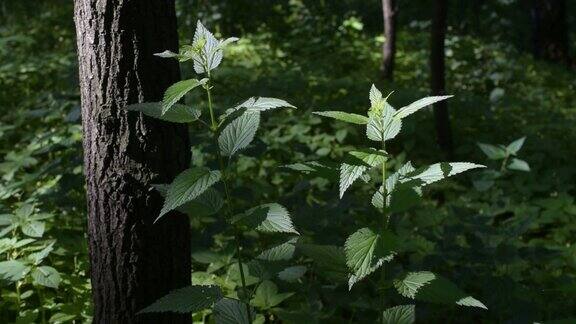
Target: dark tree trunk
(132,261)
(550,30)
(437,80)
(389,11)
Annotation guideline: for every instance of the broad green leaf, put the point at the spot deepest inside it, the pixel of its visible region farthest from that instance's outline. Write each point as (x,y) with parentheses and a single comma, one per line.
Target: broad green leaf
(6,219)
(178,90)
(210,55)
(284,251)
(177,114)
(493,152)
(403,314)
(46,276)
(292,274)
(208,203)
(267,296)
(366,251)
(515,146)
(344,116)
(189,299)
(519,165)
(375,96)
(267,218)
(419,104)
(187,186)
(357,162)
(239,133)
(37,257)
(33,228)
(264,103)
(384,125)
(13,270)
(436,172)
(231,311)
(427,286)
(166,54)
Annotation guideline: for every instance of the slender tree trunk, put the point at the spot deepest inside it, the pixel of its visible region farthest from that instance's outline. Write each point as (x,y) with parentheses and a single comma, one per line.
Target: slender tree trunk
(132,261)
(437,80)
(389,11)
(550,30)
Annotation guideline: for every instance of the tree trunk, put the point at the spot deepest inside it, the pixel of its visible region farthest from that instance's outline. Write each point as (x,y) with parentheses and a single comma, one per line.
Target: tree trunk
(550,30)
(132,261)
(437,80)
(389,10)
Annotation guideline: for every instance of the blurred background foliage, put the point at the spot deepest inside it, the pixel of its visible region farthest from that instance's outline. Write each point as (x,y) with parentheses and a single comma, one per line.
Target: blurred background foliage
(509,240)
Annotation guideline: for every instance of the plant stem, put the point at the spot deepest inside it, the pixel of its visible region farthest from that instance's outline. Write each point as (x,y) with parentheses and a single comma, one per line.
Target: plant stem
(385,220)
(228,201)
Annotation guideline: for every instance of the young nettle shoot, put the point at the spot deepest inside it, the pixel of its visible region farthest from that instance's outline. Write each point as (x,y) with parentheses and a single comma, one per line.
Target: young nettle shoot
(194,190)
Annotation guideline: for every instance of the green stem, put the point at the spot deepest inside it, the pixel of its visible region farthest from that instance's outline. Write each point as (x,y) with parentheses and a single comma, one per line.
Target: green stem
(228,201)
(385,219)
(504,162)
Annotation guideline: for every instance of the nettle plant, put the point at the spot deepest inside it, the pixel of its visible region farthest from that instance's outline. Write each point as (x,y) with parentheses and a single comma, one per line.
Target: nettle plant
(194,190)
(507,156)
(375,246)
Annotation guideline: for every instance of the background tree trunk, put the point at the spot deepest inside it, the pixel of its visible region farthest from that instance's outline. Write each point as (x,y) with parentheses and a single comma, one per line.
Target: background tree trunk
(133,262)
(437,80)
(550,30)
(389,10)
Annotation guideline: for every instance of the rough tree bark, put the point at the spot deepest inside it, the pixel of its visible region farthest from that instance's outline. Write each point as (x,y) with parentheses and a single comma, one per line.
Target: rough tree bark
(389,11)
(550,30)
(133,262)
(437,79)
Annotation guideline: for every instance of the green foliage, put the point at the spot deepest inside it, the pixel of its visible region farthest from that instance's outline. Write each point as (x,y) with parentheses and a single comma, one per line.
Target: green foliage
(403,314)
(189,299)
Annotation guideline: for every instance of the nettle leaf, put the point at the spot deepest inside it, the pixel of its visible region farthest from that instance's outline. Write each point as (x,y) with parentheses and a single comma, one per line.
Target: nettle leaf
(178,90)
(177,114)
(187,186)
(263,103)
(37,257)
(402,314)
(366,251)
(436,172)
(344,116)
(519,165)
(13,270)
(375,96)
(239,133)
(231,311)
(210,55)
(267,296)
(268,218)
(46,276)
(515,146)
(330,259)
(493,152)
(358,162)
(208,203)
(383,125)
(427,286)
(419,104)
(281,252)
(33,228)
(292,274)
(189,299)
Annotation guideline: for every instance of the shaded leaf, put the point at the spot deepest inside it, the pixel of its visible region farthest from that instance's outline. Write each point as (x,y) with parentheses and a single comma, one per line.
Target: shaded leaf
(189,299)
(239,133)
(178,90)
(344,116)
(177,114)
(403,314)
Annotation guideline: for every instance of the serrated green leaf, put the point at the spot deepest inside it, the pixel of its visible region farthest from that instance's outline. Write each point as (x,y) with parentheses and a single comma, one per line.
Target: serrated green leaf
(375,96)
(33,228)
(493,152)
(292,274)
(39,256)
(330,259)
(383,126)
(267,296)
(519,165)
(366,251)
(403,314)
(231,311)
(259,104)
(208,203)
(344,116)
(267,218)
(357,162)
(13,270)
(515,146)
(46,276)
(284,251)
(436,172)
(427,286)
(187,186)
(178,90)
(177,114)
(239,133)
(189,299)
(419,104)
